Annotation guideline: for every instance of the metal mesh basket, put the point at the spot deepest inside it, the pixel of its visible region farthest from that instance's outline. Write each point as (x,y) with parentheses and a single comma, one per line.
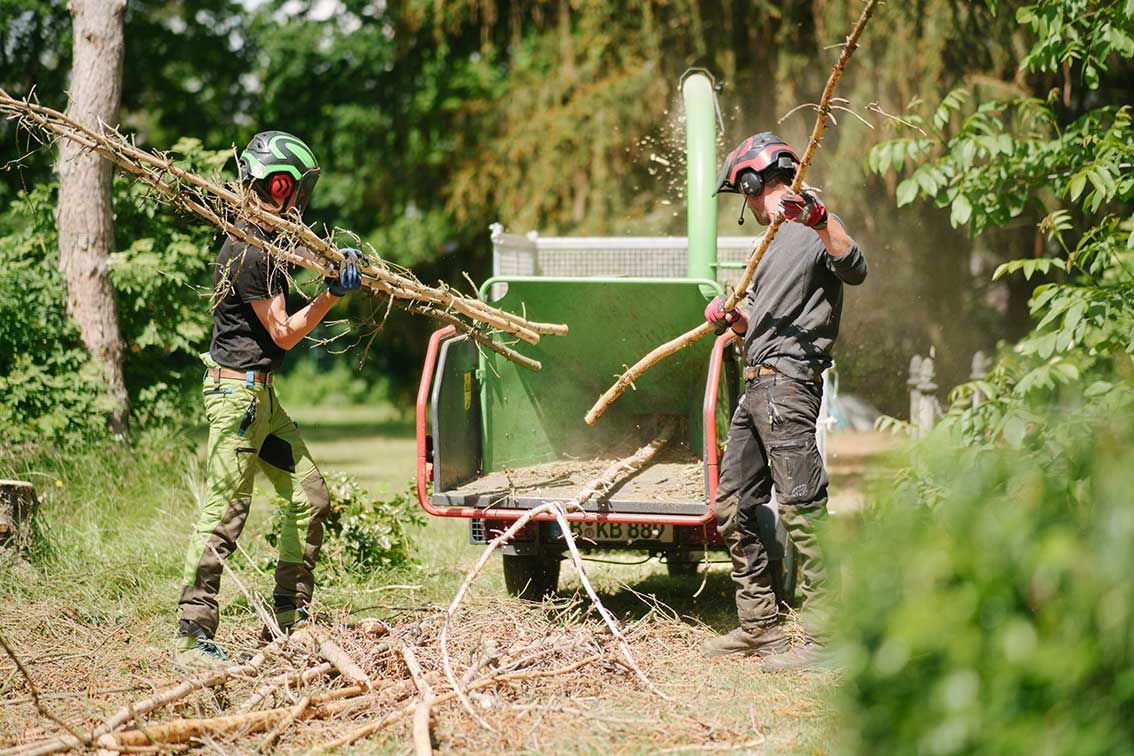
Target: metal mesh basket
(629,256)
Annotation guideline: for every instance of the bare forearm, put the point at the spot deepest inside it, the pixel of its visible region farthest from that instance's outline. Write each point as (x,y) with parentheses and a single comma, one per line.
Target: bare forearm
(297,326)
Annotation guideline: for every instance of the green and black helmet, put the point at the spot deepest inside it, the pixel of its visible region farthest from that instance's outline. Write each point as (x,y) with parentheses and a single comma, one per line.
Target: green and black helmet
(279,166)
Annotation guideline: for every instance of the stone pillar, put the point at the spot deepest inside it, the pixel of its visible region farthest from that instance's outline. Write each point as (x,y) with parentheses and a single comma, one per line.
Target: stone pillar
(915,395)
(927,388)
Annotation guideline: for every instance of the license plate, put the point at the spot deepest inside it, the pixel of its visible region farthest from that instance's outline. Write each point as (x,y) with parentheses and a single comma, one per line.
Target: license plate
(622,532)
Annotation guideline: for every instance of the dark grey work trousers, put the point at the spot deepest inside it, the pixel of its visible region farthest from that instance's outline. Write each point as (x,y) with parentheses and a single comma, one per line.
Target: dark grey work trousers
(771,441)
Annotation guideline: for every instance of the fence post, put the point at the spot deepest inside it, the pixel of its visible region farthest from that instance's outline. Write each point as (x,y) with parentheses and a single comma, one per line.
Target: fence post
(927,388)
(915,395)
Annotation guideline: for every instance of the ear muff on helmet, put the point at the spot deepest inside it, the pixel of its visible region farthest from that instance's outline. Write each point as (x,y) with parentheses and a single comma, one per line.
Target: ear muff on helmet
(279,167)
(280,186)
(755,156)
(751,183)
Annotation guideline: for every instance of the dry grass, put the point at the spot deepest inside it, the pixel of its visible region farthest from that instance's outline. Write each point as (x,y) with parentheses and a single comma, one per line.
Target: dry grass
(93,623)
(598,707)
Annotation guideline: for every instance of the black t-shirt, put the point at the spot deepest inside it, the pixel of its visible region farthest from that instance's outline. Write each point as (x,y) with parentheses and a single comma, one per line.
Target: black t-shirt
(245,274)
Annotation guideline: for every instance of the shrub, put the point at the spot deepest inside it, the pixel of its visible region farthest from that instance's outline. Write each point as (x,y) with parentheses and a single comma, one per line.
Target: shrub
(162,277)
(362,534)
(48,387)
(998,621)
(315,379)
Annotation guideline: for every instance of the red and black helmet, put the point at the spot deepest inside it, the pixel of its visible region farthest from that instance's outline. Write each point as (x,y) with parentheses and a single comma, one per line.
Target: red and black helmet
(744,168)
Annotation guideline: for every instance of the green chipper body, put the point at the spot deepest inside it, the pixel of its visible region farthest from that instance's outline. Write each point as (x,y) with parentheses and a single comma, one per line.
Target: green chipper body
(492,416)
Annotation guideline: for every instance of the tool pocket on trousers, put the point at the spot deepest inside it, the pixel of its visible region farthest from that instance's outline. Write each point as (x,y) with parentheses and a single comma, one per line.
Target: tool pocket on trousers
(216,402)
(248,418)
(797,470)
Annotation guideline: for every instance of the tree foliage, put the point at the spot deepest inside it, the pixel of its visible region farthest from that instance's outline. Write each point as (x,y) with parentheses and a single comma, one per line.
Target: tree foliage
(1065,167)
(433,120)
(162,276)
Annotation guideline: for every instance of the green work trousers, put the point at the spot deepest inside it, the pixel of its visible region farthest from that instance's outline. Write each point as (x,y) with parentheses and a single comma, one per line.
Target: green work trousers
(250,431)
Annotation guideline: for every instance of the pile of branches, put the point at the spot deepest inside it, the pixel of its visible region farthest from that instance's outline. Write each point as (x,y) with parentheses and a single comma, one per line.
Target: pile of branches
(336,683)
(381,675)
(231,209)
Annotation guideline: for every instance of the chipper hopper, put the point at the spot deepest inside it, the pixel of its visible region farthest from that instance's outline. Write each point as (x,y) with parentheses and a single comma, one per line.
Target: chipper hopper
(495,439)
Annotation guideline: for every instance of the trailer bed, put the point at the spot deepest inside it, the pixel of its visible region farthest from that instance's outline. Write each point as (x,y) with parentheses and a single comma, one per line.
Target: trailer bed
(673,485)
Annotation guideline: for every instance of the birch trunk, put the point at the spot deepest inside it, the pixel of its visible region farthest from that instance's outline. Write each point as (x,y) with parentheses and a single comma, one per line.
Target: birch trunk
(84,216)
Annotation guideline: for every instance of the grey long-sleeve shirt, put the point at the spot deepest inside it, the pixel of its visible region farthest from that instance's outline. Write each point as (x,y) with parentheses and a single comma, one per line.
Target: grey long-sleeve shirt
(796,302)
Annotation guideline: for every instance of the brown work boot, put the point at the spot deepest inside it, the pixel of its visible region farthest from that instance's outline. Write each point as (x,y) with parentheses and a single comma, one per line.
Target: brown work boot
(760,641)
(810,655)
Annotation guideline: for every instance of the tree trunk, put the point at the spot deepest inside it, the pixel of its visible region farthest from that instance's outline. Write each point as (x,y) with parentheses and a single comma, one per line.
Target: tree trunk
(84,219)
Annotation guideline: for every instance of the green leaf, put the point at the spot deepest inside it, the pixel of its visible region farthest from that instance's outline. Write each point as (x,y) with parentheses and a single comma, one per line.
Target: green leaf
(961,212)
(1078,183)
(907,192)
(1074,315)
(924,178)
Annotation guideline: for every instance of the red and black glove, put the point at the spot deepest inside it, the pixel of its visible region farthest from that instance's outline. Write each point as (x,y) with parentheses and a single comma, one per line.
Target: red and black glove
(804,208)
(720,320)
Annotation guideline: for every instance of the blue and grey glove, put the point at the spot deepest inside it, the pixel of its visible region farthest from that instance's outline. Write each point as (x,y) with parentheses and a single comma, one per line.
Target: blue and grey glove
(349,279)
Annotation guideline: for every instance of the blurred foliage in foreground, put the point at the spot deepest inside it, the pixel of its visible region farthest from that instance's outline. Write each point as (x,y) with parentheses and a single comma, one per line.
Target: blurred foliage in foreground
(998,620)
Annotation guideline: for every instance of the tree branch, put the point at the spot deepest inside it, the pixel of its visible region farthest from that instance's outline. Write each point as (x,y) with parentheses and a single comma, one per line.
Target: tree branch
(657,355)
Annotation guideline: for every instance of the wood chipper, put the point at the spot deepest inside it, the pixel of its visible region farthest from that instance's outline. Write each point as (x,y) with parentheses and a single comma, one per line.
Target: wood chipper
(496,439)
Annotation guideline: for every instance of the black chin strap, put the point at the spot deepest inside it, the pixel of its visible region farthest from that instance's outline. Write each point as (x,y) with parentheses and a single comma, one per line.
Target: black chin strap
(743,204)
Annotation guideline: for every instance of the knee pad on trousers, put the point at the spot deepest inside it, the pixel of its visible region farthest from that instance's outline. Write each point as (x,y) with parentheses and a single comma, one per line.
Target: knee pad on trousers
(318,496)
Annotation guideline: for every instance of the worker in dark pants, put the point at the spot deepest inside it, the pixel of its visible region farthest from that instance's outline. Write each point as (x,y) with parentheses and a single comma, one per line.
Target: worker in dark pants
(248,428)
(789,323)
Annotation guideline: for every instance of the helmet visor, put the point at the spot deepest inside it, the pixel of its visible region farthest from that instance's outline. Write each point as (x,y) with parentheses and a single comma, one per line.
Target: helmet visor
(305,187)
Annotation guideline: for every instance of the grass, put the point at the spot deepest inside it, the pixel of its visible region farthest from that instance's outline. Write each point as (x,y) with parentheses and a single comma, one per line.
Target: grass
(104,591)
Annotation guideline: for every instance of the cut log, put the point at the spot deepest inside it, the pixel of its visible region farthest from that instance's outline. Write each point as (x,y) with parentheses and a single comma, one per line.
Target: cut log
(18,504)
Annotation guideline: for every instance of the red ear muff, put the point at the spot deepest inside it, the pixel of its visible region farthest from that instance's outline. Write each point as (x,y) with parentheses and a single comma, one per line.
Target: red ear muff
(280,186)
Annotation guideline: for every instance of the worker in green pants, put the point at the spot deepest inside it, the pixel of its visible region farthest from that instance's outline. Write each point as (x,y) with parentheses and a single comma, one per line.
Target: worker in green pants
(248,428)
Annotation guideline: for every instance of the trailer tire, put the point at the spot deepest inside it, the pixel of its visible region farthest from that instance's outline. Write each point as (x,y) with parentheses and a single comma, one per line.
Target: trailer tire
(531,577)
(677,567)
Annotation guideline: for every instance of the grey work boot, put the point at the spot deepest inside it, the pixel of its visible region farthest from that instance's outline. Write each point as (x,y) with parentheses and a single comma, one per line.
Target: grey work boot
(810,655)
(192,653)
(740,642)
